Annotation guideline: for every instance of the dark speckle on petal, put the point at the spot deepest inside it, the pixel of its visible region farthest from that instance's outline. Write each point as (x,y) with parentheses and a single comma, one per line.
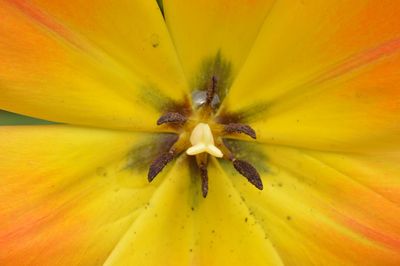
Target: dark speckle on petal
(155,40)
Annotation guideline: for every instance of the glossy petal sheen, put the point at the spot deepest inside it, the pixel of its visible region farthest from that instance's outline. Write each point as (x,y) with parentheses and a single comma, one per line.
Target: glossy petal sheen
(96,63)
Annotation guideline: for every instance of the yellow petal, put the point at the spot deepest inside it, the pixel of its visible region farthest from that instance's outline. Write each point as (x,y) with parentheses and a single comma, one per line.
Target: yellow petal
(356,112)
(324,75)
(379,172)
(205,32)
(303,44)
(228,233)
(96,63)
(326,209)
(68,194)
(179,227)
(162,235)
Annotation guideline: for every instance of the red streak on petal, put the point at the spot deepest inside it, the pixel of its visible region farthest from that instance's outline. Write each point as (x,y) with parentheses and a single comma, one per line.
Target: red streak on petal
(392,242)
(46,21)
(362,59)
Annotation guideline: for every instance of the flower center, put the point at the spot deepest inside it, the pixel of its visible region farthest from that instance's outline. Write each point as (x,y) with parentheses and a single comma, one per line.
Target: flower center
(201,135)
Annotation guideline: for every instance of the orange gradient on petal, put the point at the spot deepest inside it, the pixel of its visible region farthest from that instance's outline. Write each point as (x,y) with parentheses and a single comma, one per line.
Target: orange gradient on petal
(39,62)
(41,18)
(375,22)
(378,88)
(390,241)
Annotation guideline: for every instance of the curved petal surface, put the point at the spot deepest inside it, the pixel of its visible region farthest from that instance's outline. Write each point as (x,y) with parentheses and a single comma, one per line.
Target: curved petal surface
(356,112)
(328,208)
(324,75)
(179,227)
(67,195)
(96,63)
(214,37)
(301,44)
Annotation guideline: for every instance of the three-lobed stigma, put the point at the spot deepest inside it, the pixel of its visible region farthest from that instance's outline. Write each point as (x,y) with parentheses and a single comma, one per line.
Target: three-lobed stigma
(203,141)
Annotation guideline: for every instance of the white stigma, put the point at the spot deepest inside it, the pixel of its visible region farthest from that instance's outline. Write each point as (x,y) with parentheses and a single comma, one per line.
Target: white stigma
(203,141)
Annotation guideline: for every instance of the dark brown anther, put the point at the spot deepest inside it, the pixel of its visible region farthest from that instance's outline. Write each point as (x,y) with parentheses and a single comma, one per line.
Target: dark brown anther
(248,171)
(204,179)
(240,128)
(212,87)
(159,163)
(172,117)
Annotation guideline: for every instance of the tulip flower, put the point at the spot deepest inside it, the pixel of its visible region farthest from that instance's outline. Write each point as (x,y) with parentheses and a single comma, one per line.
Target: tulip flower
(209,132)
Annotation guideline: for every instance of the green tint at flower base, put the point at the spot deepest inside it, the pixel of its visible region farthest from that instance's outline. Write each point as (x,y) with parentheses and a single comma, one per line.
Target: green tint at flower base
(268,129)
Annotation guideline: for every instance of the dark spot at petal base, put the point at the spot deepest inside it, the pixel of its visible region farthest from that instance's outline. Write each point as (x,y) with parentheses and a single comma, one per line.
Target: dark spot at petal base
(143,154)
(215,78)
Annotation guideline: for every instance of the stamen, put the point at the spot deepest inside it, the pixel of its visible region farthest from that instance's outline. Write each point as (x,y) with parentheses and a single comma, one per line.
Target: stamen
(172,117)
(211,89)
(240,128)
(248,171)
(159,163)
(204,179)
(203,141)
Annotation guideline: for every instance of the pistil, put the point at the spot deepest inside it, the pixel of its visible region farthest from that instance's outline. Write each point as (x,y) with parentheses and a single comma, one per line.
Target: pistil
(203,141)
